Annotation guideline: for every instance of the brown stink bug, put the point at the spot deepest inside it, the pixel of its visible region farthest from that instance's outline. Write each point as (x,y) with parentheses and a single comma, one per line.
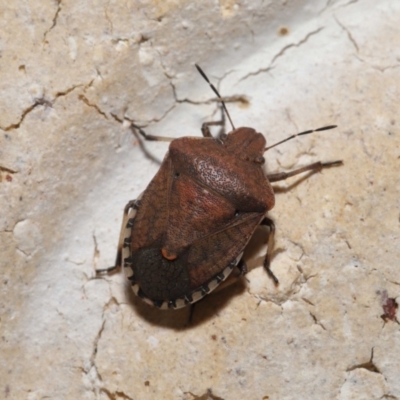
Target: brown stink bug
(187,231)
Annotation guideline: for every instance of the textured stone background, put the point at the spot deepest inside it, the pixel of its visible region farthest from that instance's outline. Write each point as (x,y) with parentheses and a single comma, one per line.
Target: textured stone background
(71,72)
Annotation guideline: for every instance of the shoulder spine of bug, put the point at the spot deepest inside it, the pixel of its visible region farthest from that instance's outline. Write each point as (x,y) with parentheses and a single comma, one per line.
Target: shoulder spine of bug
(177,249)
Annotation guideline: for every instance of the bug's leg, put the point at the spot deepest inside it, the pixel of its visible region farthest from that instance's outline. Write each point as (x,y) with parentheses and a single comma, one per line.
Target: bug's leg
(317,166)
(151,137)
(242,267)
(125,224)
(205,130)
(267,261)
(237,273)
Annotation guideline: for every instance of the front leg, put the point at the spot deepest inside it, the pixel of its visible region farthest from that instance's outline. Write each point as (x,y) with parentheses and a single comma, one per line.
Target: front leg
(205,130)
(148,137)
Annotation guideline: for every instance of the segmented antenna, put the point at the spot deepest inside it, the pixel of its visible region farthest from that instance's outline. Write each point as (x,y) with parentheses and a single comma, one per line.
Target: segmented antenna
(216,92)
(324,128)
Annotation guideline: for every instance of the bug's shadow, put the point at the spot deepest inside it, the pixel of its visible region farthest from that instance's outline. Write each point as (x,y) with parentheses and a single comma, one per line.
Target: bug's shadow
(190,316)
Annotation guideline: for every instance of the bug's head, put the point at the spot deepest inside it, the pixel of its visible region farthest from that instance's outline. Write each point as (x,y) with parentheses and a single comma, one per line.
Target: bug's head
(246,144)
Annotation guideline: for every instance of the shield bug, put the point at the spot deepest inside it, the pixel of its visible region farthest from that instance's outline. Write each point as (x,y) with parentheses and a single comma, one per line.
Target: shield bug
(186,232)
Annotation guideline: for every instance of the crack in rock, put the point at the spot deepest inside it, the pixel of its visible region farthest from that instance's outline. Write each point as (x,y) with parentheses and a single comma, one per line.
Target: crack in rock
(378,68)
(330,3)
(349,35)
(281,53)
(369,365)
(242,99)
(69,90)
(147,123)
(327,5)
(317,322)
(37,103)
(42,102)
(54,20)
(90,369)
(348,3)
(208,395)
(95,106)
(6,174)
(9,170)
(116,395)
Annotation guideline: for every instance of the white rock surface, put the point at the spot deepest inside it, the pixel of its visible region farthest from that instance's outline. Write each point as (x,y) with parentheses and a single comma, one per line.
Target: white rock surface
(73,72)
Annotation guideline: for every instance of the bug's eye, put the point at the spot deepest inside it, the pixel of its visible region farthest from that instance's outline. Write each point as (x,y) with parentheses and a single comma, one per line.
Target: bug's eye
(237,212)
(177,174)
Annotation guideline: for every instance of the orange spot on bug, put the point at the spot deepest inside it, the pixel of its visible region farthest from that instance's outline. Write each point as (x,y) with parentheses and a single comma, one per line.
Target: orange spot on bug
(170,257)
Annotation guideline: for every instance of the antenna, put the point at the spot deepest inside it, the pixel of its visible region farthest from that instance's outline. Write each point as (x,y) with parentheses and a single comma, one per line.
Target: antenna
(325,128)
(216,92)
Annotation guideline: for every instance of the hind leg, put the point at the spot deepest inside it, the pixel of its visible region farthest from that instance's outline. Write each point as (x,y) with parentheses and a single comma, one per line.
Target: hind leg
(267,260)
(126,223)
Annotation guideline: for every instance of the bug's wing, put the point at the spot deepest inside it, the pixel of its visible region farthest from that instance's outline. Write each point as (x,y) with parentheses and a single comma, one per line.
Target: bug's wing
(151,219)
(194,211)
(205,230)
(211,254)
